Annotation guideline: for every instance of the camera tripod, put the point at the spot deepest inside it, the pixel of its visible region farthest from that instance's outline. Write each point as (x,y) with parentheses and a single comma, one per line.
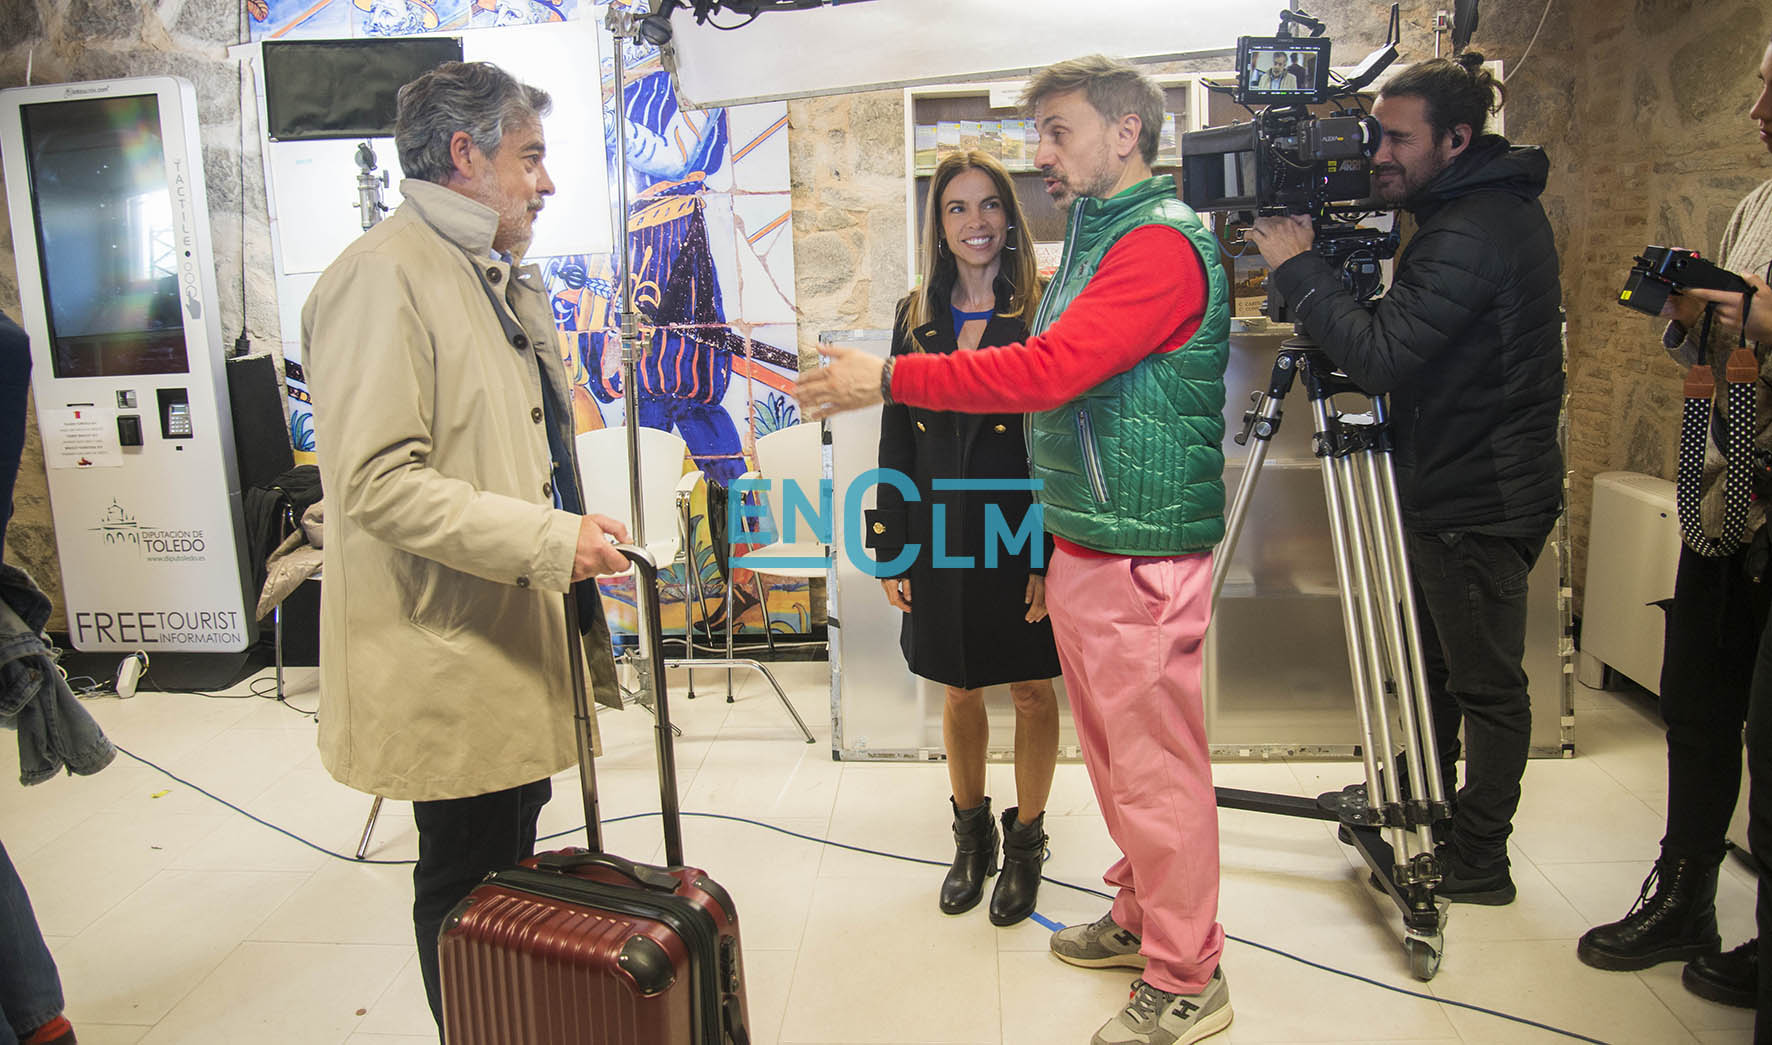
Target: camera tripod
(1394,833)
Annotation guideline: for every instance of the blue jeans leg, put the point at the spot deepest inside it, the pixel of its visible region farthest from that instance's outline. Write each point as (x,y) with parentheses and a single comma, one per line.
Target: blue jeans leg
(30,988)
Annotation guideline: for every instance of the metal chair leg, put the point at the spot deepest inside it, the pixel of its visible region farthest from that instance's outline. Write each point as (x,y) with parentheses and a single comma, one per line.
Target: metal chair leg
(728,616)
(691,584)
(763,604)
(369,828)
(729,663)
(277,648)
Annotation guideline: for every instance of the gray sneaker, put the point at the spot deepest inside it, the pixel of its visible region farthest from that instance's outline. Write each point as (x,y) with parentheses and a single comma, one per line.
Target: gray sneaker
(1098,945)
(1156,1017)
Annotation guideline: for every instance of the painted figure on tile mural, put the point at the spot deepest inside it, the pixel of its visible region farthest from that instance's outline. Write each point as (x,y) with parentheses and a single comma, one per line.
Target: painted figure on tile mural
(517,12)
(579,288)
(397,17)
(687,361)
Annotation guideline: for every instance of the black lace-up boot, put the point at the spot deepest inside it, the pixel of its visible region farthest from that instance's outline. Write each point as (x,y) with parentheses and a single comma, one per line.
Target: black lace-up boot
(1024,850)
(1729,978)
(975,858)
(1674,919)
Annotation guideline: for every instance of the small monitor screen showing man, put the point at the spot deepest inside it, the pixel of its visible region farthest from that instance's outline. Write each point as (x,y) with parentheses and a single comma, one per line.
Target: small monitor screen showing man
(1283,71)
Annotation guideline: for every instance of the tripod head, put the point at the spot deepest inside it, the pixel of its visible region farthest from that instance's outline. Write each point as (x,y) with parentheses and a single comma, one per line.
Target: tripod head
(1357,250)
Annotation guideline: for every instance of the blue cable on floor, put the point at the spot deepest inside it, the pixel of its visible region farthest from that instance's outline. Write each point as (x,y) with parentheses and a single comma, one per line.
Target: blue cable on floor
(1054,926)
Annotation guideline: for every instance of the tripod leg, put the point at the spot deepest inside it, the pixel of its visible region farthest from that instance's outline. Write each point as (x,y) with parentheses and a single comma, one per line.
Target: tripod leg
(1344,546)
(1393,575)
(1233,519)
(1378,676)
(1430,751)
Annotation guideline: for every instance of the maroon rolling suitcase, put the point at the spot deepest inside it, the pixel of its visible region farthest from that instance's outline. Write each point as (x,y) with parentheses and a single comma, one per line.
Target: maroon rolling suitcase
(580,947)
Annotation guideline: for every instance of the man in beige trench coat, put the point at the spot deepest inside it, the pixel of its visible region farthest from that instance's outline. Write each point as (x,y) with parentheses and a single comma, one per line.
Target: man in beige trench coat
(455,522)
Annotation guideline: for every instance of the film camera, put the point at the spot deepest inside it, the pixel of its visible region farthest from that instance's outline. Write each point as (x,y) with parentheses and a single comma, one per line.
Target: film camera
(1287,160)
(1661,271)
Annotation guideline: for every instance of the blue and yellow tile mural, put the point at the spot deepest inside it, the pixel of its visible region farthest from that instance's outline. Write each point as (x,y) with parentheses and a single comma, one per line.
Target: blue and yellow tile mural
(710,235)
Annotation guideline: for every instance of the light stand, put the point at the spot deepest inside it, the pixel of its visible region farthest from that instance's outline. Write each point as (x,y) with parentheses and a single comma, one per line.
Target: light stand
(624,26)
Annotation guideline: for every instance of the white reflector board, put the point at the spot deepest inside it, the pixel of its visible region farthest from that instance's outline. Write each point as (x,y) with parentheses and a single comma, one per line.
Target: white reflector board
(863,46)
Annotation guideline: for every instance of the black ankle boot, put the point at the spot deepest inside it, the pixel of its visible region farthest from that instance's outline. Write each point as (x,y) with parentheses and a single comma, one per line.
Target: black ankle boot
(1677,923)
(1730,978)
(1024,849)
(975,858)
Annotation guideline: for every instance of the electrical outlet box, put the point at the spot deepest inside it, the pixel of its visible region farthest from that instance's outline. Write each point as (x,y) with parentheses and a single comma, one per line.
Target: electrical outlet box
(1442,21)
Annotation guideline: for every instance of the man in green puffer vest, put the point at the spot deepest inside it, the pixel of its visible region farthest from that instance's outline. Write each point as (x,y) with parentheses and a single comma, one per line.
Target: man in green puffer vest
(1123,381)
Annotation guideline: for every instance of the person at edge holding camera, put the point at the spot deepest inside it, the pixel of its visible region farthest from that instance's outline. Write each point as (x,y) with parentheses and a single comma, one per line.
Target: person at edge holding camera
(1716,670)
(1124,377)
(984,623)
(1468,345)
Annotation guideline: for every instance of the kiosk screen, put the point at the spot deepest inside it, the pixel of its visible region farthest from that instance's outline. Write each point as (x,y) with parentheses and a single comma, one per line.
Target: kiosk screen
(106,238)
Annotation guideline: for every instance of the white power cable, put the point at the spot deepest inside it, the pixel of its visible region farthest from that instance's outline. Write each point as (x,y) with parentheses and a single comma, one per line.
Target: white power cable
(1516,69)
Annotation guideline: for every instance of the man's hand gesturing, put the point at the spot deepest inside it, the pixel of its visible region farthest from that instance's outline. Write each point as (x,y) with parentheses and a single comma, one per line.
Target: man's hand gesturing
(849,381)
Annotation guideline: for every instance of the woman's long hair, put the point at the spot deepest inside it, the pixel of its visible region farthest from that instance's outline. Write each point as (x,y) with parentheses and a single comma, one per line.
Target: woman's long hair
(1018,268)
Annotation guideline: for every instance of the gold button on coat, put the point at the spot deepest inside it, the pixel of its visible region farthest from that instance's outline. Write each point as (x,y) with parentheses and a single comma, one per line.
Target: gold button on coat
(879,527)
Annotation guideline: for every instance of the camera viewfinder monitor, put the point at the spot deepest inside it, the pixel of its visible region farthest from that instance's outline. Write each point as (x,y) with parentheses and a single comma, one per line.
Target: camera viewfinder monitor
(1282,70)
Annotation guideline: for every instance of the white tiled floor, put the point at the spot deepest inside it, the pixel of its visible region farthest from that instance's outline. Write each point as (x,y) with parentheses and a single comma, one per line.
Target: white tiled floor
(175,919)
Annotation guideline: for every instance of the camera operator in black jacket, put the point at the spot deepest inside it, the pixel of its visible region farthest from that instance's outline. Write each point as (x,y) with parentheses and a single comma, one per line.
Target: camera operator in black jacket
(1468,343)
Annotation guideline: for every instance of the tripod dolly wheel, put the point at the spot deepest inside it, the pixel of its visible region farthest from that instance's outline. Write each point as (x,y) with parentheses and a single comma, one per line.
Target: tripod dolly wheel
(1424,955)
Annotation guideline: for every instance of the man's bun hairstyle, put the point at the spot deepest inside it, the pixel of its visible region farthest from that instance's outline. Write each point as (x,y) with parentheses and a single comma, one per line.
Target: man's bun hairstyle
(1456,90)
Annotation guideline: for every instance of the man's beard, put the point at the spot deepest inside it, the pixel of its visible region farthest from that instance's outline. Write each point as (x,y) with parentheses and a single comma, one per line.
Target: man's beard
(1100,185)
(515,230)
(519,230)
(1402,189)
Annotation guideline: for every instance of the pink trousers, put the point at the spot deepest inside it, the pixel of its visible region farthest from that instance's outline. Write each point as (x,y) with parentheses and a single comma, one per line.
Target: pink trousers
(1130,637)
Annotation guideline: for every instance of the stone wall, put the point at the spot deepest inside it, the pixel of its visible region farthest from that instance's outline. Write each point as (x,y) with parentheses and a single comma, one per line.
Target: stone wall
(1666,152)
(53,41)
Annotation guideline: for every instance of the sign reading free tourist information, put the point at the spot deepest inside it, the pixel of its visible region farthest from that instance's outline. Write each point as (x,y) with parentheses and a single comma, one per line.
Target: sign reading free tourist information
(172,615)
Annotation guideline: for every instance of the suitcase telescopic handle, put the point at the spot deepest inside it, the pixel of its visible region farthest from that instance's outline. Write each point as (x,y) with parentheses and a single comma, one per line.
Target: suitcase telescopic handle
(652,636)
(643,875)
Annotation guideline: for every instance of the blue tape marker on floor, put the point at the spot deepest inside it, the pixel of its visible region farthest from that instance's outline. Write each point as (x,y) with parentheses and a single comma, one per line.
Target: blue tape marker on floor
(1047,922)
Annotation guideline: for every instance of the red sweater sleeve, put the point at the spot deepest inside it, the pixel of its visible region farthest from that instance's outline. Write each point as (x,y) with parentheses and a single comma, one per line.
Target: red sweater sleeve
(1148,296)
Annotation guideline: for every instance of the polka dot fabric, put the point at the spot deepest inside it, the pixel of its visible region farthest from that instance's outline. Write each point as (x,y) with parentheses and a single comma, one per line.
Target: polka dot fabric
(1738,446)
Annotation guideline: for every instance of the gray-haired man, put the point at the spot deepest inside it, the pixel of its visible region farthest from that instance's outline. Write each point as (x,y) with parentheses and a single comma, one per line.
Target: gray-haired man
(445,441)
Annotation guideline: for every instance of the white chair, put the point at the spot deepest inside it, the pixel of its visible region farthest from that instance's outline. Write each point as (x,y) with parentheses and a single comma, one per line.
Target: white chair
(789,457)
(666,532)
(603,476)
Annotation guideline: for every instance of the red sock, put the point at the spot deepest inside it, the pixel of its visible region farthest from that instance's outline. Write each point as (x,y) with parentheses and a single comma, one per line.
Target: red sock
(56,1032)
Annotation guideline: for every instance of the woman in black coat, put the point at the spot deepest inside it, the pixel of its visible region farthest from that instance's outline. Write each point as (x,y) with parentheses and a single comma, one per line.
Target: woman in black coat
(974,623)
